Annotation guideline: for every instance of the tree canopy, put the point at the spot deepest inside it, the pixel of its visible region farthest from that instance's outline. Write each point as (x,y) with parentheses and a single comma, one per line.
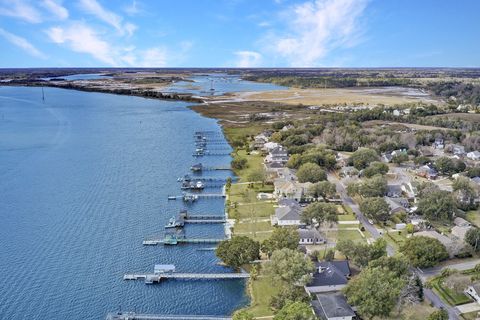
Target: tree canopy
(320,212)
(472,237)
(440,314)
(324,189)
(424,252)
(242,315)
(295,311)
(363,157)
(289,267)
(279,239)
(376,208)
(437,205)
(311,172)
(375,291)
(360,253)
(372,187)
(238,251)
(375,168)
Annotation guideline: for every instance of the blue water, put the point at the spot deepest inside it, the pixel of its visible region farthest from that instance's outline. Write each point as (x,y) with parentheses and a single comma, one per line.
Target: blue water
(222,83)
(84,178)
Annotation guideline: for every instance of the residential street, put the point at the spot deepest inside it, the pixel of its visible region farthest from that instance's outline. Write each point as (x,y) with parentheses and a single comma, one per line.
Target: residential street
(424,274)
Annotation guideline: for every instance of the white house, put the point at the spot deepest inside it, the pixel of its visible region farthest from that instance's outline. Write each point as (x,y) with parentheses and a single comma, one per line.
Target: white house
(287,214)
(473,291)
(310,236)
(474,155)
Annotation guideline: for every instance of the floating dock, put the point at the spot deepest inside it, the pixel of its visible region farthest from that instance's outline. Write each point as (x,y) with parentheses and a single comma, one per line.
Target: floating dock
(139,316)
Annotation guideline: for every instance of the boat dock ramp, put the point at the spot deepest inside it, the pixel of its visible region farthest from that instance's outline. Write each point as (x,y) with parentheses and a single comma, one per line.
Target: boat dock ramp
(139,316)
(184,218)
(188,178)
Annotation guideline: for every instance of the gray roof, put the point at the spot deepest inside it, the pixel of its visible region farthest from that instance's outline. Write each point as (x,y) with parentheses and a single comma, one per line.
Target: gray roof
(334,273)
(288,213)
(332,305)
(309,234)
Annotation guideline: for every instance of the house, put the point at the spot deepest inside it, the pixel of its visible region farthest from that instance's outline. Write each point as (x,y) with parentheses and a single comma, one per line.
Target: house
(427,172)
(348,172)
(473,291)
(287,214)
(452,245)
(474,155)
(394,190)
(332,306)
(287,127)
(259,141)
(439,143)
(310,236)
(388,156)
(458,150)
(397,205)
(270,146)
(329,276)
(410,190)
(288,189)
(278,154)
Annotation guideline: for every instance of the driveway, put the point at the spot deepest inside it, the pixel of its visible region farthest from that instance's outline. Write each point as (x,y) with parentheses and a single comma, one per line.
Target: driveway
(469,307)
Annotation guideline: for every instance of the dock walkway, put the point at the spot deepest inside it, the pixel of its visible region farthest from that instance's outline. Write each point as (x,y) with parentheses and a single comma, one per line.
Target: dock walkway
(135,316)
(152,277)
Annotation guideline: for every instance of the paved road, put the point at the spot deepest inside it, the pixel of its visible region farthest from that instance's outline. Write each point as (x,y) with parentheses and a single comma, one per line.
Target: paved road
(453,313)
(356,209)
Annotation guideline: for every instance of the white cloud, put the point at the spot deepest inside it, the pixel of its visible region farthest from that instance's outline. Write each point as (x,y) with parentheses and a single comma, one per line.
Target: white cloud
(132,9)
(248,59)
(316,28)
(56,9)
(81,38)
(21,43)
(154,57)
(94,8)
(21,10)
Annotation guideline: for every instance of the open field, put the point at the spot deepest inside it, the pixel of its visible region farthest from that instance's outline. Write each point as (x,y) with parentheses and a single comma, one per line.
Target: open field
(372,96)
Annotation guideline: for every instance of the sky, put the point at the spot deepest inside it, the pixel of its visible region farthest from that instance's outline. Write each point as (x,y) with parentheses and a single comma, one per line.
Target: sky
(239,33)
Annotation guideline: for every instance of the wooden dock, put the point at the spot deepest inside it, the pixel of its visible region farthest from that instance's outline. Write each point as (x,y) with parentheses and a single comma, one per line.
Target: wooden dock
(157,277)
(139,316)
(175,241)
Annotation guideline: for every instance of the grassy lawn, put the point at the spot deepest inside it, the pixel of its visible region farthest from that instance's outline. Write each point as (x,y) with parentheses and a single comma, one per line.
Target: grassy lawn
(348,210)
(419,311)
(395,238)
(353,235)
(474,217)
(346,217)
(262,291)
(447,294)
(255,164)
(348,226)
(250,227)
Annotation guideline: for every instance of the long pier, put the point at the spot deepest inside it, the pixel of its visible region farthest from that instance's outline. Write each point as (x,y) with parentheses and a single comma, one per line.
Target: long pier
(157,277)
(139,316)
(171,241)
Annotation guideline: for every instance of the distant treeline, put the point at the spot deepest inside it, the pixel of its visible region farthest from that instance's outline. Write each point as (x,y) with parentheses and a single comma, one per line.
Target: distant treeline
(463,92)
(331,82)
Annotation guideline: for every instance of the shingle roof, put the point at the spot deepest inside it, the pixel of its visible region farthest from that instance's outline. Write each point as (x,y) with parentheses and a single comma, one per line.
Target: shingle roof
(333,273)
(332,305)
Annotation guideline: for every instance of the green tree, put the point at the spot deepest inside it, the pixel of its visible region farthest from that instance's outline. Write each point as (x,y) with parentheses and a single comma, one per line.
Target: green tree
(294,161)
(323,189)
(279,239)
(363,157)
(295,311)
(239,163)
(288,294)
(289,267)
(464,193)
(375,292)
(373,187)
(437,205)
(472,237)
(311,172)
(242,315)
(424,252)
(448,166)
(400,158)
(397,264)
(320,212)
(375,168)
(238,251)
(376,208)
(257,176)
(440,314)
(361,253)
